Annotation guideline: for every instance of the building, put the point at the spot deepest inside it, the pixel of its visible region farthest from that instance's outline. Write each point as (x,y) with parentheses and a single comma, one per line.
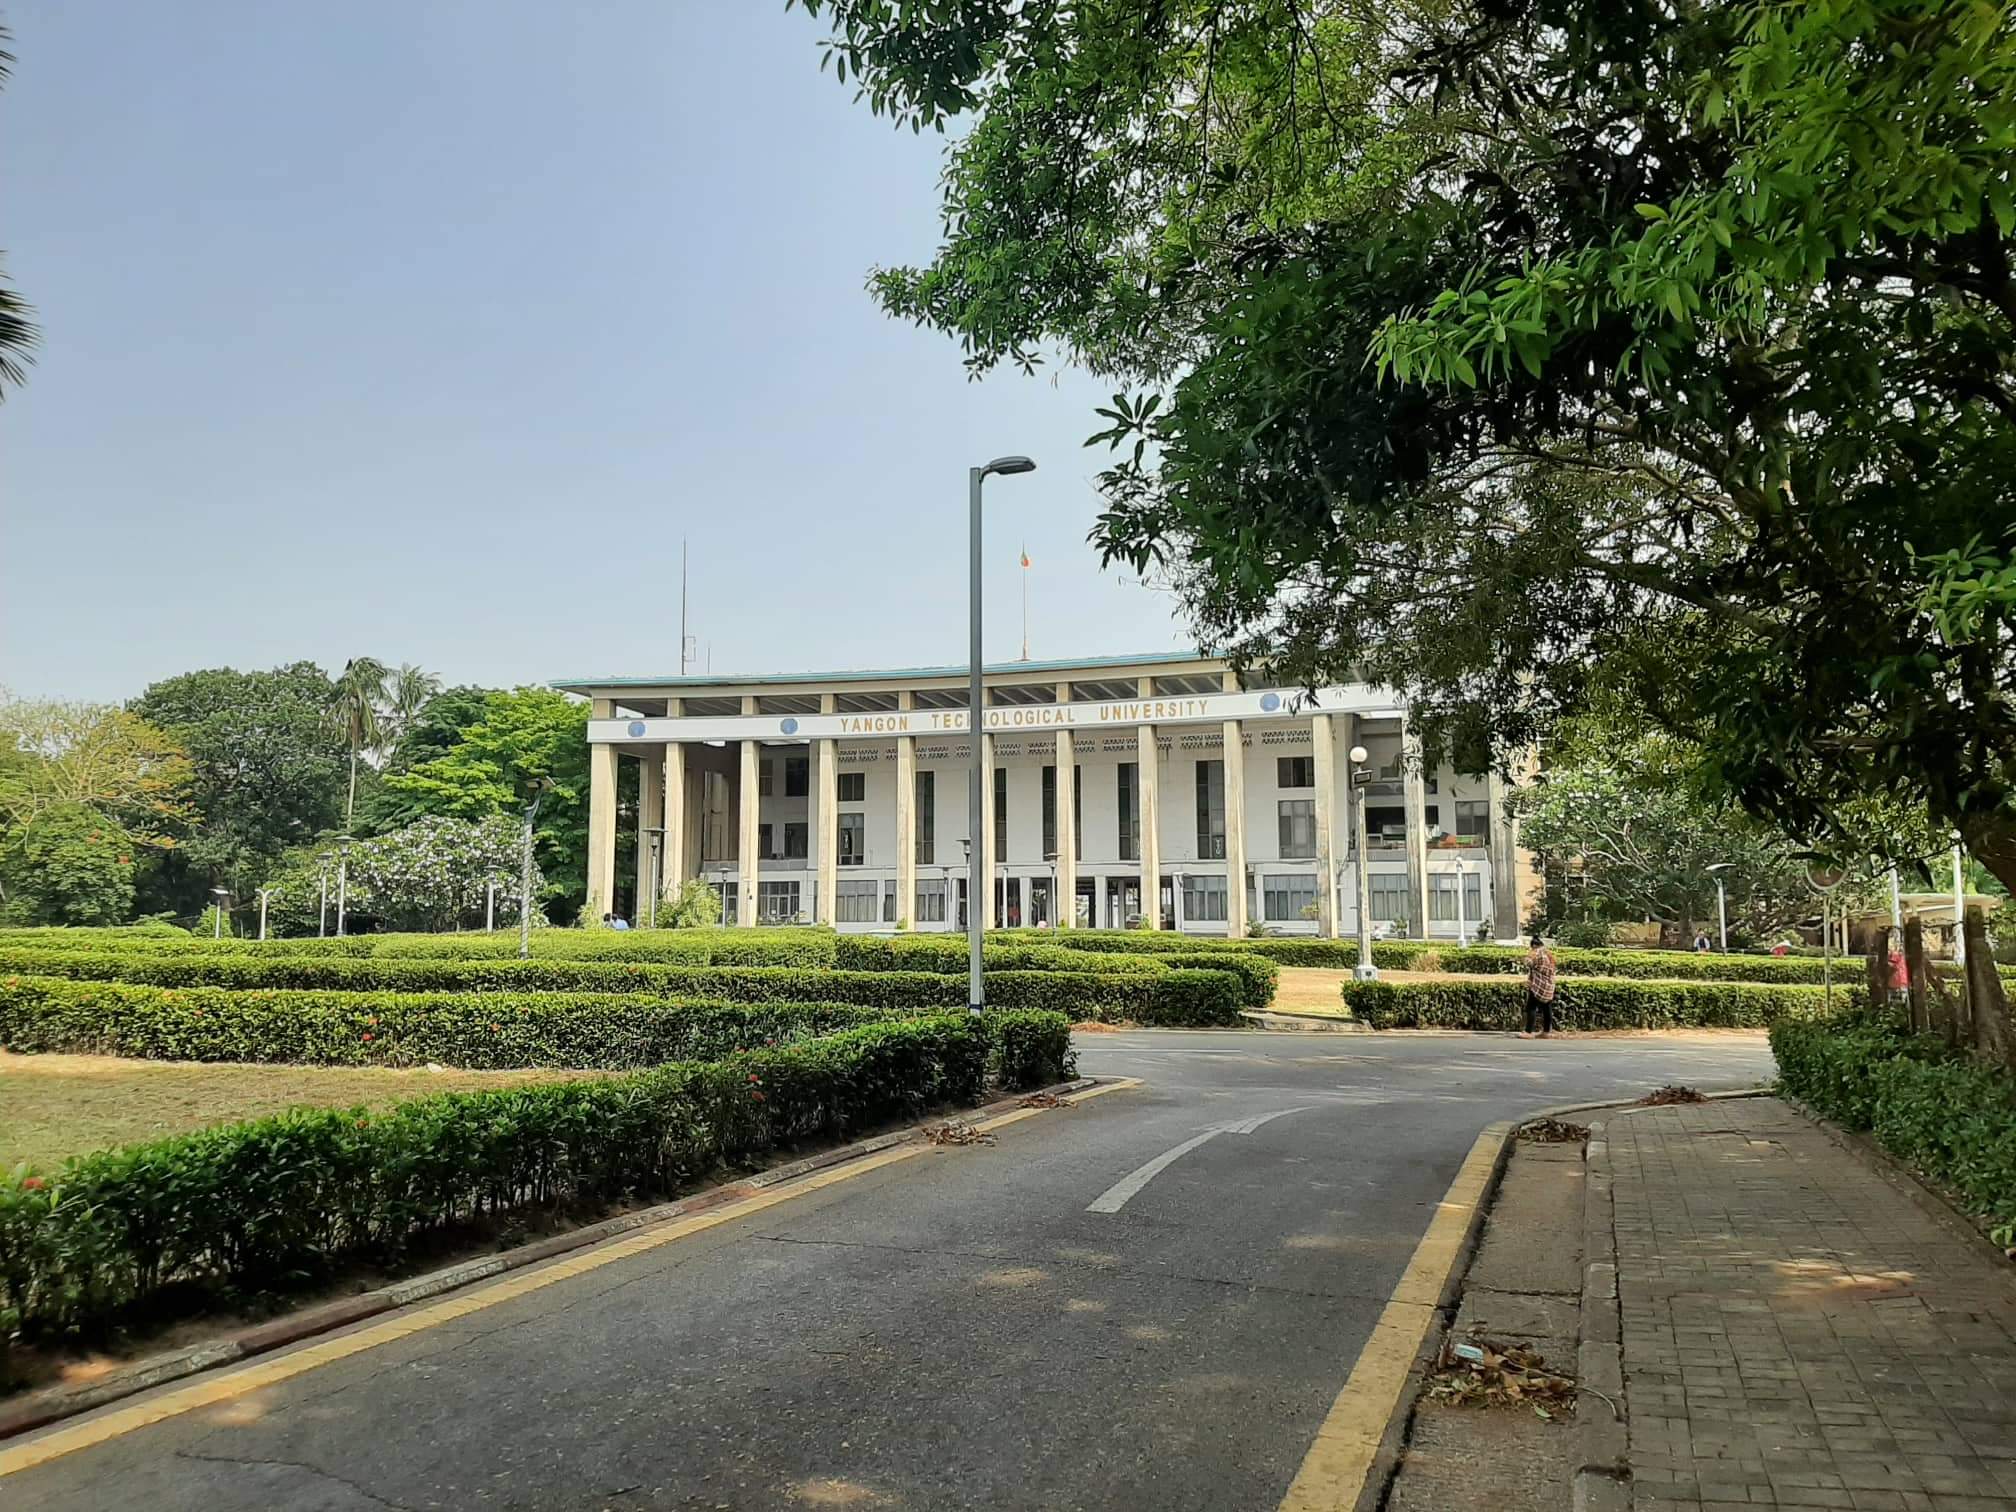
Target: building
(841,797)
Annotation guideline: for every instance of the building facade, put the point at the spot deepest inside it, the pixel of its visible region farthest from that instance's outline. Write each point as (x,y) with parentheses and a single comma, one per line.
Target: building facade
(1148,791)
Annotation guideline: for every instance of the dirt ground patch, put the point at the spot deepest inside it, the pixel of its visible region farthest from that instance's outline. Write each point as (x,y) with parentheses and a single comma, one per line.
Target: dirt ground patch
(53,1106)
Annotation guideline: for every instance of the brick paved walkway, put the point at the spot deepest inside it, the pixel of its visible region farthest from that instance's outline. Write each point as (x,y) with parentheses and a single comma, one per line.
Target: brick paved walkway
(1797,1331)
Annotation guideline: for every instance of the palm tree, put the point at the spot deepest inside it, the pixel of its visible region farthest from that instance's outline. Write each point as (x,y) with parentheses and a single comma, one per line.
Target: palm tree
(407,695)
(18,336)
(355,711)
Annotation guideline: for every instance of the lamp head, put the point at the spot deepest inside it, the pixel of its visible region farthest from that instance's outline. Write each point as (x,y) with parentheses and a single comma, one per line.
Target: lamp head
(1006,465)
(1359,755)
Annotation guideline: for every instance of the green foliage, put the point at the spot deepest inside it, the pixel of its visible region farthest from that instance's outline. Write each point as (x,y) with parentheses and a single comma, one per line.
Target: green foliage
(432,875)
(1644,964)
(267,775)
(482,1031)
(214,924)
(67,864)
(1258,976)
(1949,1116)
(272,1203)
(434,731)
(524,737)
(1580,1003)
(694,906)
(1283,950)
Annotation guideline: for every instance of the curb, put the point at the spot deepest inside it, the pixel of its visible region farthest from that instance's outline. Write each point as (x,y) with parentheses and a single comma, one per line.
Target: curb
(51,1404)
(1288,1021)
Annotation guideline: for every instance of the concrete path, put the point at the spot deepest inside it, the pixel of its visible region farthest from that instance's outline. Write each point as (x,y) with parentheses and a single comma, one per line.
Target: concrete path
(1798,1332)
(968,1328)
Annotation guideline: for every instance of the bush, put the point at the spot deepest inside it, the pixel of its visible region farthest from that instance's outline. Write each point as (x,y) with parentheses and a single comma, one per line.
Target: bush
(695,906)
(1682,964)
(1295,950)
(1581,1003)
(281,1200)
(1949,1116)
(486,1031)
(697,947)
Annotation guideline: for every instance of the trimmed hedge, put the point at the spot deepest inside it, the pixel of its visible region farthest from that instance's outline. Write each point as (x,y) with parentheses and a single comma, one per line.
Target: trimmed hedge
(1672,964)
(488,1031)
(1581,1003)
(1282,950)
(1258,977)
(1946,1114)
(280,1200)
(695,947)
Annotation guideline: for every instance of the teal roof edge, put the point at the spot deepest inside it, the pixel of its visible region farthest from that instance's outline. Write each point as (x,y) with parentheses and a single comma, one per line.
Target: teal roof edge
(878,674)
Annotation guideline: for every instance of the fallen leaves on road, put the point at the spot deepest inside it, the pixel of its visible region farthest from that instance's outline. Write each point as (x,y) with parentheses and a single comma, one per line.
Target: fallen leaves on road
(956,1132)
(1101,1026)
(1553,1131)
(1667,1095)
(1042,1100)
(1484,1373)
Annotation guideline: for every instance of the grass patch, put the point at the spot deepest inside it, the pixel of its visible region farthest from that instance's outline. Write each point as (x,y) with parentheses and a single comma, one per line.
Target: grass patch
(55,1106)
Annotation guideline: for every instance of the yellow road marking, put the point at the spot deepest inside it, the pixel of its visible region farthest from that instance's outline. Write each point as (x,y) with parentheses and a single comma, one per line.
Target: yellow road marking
(225,1385)
(1333,1472)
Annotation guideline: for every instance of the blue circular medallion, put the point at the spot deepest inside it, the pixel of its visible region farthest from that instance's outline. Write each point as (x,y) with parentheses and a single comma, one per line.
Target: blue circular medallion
(789,727)
(636,728)
(1270,702)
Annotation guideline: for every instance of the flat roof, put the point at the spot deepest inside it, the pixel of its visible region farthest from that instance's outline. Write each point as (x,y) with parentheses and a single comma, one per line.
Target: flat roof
(874,674)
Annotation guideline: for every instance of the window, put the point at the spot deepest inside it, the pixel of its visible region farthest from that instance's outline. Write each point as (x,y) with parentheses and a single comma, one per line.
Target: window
(1385,820)
(1442,898)
(1077,812)
(930,902)
(853,787)
(1473,820)
(1130,811)
(762,778)
(1211,811)
(797,776)
(859,902)
(889,901)
(795,838)
(1295,771)
(1203,900)
(763,841)
(776,902)
(1389,897)
(1000,814)
(1473,897)
(1298,828)
(1286,898)
(727,891)
(714,816)
(853,839)
(927,817)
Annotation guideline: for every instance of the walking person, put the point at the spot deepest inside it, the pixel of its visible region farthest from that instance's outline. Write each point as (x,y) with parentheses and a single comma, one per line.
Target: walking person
(1539,990)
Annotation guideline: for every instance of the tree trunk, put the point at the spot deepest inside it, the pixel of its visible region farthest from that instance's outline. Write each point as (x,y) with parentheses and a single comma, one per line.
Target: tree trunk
(1991,840)
(1987,1002)
(1876,972)
(350,805)
(1914,962)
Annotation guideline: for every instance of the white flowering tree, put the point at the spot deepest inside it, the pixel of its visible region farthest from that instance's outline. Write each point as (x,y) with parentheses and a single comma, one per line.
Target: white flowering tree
(431,875)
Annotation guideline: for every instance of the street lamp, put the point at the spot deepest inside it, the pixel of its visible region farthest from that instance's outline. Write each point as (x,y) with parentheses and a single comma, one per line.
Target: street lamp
(1051,857)
(976,718)
(654,871)
(342,883)
(264,894)
(539,787)
(217,918)
(1361,773)
(322,908)
(1722,902)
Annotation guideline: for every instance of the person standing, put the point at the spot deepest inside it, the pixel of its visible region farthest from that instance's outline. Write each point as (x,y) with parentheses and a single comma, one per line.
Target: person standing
(1540,989)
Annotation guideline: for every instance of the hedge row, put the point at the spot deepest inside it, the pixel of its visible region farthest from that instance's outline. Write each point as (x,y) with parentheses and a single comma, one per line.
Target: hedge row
(695,947)
(1943,1112)
(1581,1003)
(1285,950)
(1258,977)
(281,1200)
(1670,964)
(1172,997)
(488,1031)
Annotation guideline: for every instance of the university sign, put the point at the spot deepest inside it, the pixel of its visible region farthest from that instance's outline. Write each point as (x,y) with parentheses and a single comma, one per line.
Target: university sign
(1209,708)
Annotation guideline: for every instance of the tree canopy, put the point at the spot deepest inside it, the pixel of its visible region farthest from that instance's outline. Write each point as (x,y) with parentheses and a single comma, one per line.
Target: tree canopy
(1492,348)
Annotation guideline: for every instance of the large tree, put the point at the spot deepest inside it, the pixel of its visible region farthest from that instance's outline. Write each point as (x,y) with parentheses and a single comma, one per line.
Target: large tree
(357,708)
(1472,346)
(18,334)
(267,775)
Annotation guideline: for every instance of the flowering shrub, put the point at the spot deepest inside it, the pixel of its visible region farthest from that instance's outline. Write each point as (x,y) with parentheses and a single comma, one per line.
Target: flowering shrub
(433,874)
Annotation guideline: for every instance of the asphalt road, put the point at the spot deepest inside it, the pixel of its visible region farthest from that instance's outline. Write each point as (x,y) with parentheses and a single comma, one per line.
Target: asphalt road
(957,1330)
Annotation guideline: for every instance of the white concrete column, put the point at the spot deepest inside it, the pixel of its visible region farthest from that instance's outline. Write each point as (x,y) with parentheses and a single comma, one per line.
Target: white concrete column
(674,872)
(749,864)
(1147,765)
(650,815)
(1325,764)
(906,819)
(985,839)
(601,820)
(1414,782)
(1064,906)
(826,908)
(1233,751)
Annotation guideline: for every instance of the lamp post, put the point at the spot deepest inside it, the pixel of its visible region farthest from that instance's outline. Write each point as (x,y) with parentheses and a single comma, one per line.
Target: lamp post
(1722,902)
(539,787)
(490,906)
(976,719)
(264,894)
(654,872)
(322,908)
(1361,773)
(342,884)
(1051,857)
(217,918)
(1959,904)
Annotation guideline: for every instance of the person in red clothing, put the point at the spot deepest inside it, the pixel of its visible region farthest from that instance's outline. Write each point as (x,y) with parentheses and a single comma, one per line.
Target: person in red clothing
(1900,975)
(1540,989)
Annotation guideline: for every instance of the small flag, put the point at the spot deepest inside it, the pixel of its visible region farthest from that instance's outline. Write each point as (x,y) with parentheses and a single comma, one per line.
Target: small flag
(1025,558)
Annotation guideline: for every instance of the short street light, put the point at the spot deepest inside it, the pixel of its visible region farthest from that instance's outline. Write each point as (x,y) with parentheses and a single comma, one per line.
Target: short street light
(976,719)
(539,789)
(217,917)
(1361,773)
(1722,902)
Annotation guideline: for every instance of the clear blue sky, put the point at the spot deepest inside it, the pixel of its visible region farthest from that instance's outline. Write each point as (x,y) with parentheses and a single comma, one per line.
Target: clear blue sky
(425,329)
